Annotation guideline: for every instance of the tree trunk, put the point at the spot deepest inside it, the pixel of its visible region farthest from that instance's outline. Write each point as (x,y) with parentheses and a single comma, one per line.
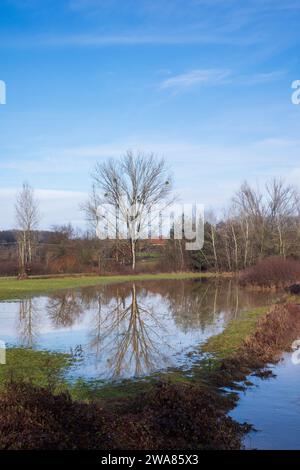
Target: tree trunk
(235,247)
(246,244)
(181,255)
(227,252)
(133,246)
(281,242)
(214,247)
(22,253)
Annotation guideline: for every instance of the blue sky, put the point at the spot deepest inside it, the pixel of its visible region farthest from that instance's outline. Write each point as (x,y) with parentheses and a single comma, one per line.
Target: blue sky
(204,83)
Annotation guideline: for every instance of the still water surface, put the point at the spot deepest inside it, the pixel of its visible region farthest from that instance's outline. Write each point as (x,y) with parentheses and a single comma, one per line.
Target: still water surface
(135,329)
(126,330)
(272,406)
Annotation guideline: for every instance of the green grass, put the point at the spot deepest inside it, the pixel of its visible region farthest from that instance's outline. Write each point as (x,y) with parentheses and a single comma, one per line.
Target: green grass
(84,390)
(48,370)
(90,390)
(227,342)
(11,288)
(153,255)
(41,368)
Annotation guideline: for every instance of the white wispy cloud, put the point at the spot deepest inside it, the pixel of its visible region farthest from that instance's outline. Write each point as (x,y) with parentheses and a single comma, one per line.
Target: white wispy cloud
(262,77)
(213,77)
(198,77)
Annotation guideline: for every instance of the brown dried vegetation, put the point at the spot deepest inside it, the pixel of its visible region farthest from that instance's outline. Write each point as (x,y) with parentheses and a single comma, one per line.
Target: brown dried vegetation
(274,272)
(167,417)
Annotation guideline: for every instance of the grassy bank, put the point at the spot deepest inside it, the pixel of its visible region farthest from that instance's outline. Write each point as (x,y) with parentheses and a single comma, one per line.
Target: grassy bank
(227,343)
(247,347)
(11,288)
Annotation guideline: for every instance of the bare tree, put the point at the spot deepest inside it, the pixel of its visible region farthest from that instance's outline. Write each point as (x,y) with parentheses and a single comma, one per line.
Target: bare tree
(27,219)
(90,207)
(283,208)
(260,223)
(132,187)
(211,218)
(252,207)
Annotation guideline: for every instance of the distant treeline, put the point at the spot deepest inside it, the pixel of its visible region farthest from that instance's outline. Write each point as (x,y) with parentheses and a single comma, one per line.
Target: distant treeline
(258,224)
(10,236)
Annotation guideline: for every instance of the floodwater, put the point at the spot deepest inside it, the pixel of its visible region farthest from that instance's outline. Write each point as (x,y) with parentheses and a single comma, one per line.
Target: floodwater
(129,330)
(133,330)
(272,406)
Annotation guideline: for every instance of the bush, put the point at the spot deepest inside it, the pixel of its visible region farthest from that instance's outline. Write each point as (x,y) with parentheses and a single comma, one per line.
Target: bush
(272,272)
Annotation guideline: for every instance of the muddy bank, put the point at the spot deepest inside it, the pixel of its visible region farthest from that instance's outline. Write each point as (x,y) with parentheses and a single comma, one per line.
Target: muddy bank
(273,334)
(167,417)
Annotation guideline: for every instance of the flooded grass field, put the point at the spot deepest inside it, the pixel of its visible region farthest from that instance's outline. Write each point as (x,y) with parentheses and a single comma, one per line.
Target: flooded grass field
(128,330)
(134,330)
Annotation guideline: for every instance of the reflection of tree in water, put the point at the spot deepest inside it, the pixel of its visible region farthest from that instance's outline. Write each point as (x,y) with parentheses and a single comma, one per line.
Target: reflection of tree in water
(197,304)
(28,322)
(129,335)
(64,308)
(193,305)
(129,322)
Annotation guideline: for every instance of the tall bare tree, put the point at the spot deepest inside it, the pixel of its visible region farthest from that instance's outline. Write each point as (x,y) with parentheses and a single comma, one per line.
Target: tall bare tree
(252,207)
(27,219)
(212,234)
(283,208)
(132,187)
